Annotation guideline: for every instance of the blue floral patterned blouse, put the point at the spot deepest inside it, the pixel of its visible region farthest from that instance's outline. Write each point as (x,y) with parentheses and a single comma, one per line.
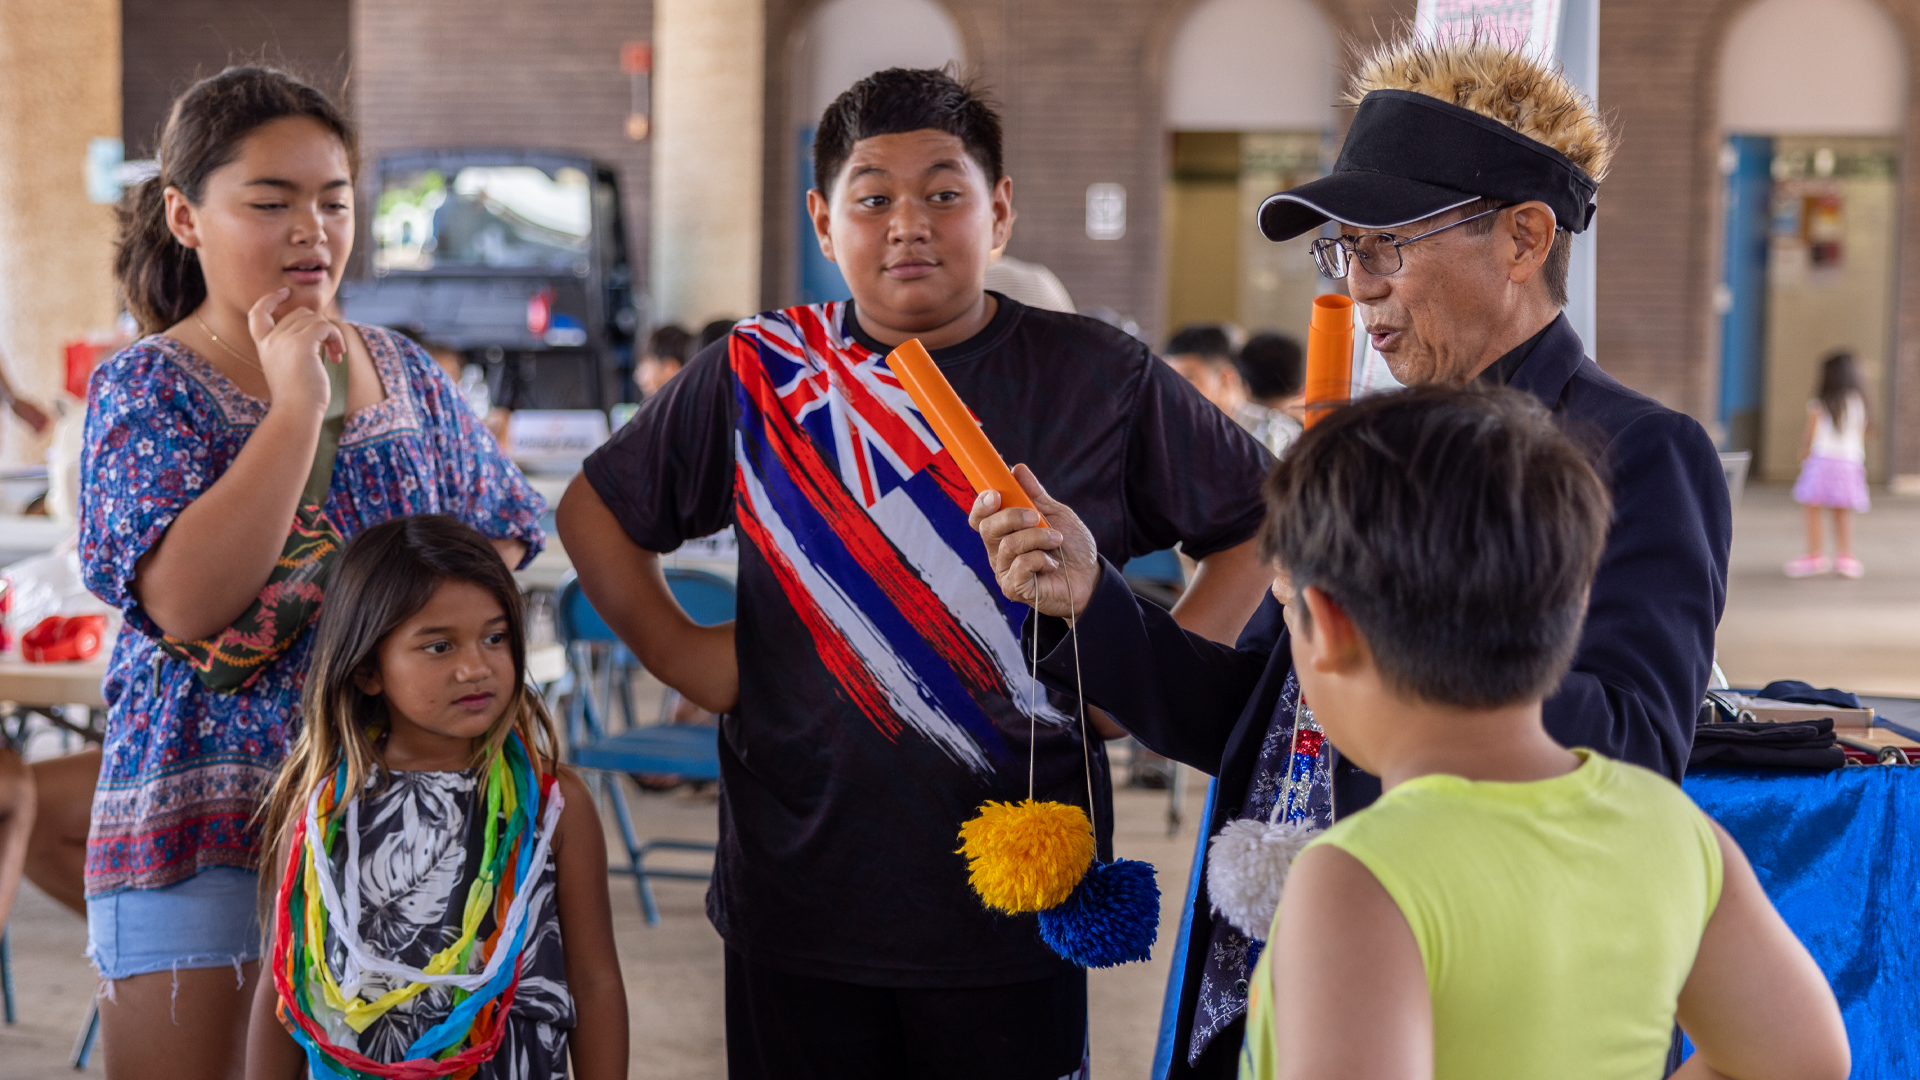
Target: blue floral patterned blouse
(184,768)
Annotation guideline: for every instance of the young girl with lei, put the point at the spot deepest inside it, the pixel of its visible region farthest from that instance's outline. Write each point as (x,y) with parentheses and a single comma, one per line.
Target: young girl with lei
(203,441)
(439,899)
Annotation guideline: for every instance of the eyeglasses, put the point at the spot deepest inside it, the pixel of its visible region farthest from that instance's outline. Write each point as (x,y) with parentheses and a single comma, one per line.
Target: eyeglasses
(1378,253)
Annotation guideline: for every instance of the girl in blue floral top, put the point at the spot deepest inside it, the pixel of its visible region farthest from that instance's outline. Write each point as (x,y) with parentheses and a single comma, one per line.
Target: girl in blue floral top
(199,440)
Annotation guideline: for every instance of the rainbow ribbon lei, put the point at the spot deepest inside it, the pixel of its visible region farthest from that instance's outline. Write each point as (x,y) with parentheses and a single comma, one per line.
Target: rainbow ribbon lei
(319,1007)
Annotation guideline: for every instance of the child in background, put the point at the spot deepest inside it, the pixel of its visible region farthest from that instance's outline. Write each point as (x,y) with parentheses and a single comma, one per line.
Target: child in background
(668,350)
(1274,370)
(1833,468)
(465,865)
(1509,908)
(1203,355)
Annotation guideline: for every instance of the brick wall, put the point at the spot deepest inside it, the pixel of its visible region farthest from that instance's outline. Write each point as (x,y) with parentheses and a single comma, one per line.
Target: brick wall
(511,73)
(168,44)
(1659,210)
(1081,85)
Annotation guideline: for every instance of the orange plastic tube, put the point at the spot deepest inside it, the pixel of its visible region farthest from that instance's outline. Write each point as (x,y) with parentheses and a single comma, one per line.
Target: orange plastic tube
(1329,355)
(954,425)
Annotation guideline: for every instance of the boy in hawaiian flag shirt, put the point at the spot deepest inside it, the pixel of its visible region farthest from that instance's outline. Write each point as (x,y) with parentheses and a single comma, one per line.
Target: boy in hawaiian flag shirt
(873,687)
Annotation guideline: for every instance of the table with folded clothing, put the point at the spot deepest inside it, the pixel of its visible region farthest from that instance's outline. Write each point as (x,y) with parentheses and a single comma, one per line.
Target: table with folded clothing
(1838,851)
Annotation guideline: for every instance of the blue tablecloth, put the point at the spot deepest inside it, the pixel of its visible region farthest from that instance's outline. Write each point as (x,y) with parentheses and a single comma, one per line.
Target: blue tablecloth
(1839,854)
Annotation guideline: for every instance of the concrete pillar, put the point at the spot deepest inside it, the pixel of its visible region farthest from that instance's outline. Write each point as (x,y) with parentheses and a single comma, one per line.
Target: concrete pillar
(59,87)
(708,106)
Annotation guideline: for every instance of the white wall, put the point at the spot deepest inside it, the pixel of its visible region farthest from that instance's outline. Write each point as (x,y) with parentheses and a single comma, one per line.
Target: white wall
(1251,65)
(1813,67)
(847,40)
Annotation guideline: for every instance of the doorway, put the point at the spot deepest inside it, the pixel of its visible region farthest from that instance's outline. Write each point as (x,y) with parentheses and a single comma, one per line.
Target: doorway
(1219,268)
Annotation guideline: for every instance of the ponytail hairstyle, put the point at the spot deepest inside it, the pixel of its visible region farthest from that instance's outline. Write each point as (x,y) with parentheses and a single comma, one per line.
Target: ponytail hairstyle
(387,573)
(1839,380)
(159,278)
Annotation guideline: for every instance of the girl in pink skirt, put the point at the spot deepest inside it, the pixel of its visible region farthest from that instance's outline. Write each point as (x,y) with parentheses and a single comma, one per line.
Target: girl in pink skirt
(1833,469)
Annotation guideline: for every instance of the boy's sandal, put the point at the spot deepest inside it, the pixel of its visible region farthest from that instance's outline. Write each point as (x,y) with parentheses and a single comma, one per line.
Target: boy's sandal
(1849,567)
(1808,566)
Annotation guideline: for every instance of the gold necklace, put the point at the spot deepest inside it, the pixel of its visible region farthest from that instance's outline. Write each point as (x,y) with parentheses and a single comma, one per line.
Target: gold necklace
(254,364)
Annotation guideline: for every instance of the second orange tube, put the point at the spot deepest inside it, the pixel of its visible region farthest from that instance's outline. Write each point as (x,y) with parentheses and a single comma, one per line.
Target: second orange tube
(1329,355)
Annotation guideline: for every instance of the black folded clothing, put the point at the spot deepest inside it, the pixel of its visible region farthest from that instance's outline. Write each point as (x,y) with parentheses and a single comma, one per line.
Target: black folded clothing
(1797,691)
(1806,744)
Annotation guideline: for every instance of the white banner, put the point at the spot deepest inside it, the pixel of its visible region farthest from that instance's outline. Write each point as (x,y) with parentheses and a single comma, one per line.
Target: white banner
(1532,23)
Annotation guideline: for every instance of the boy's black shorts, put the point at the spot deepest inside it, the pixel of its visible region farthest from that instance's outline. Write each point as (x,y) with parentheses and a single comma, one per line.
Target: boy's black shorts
(797,1027)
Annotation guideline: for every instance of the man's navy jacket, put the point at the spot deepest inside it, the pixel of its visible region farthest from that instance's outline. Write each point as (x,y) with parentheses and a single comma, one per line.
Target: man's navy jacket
(1638,678)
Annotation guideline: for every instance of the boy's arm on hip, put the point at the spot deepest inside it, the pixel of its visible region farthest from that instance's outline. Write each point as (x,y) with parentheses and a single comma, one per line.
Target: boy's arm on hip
(627,589)
(1224,592)
(1756,1005)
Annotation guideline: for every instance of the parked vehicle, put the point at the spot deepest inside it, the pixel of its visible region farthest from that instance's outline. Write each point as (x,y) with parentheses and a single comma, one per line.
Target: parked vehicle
(515,258)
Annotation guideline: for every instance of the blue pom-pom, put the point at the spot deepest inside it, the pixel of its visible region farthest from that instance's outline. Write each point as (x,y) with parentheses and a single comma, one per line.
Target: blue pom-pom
(1112,916)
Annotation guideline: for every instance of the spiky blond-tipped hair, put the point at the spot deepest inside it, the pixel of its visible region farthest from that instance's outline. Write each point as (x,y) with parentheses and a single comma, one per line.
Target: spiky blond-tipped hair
(1479,72)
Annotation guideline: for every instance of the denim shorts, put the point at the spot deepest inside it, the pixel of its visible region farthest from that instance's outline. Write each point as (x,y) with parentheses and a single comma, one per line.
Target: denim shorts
(208,920)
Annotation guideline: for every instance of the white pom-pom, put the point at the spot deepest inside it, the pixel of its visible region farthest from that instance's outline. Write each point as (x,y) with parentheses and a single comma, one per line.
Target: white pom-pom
(1247,865)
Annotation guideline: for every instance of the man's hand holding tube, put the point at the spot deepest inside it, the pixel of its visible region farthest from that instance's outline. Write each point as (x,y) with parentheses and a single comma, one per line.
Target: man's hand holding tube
(1052,569)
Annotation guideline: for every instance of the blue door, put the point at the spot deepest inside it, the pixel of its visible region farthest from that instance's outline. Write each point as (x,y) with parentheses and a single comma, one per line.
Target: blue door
(1743,324)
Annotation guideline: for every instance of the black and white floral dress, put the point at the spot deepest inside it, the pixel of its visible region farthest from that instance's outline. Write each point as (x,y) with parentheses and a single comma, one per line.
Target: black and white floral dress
(421,835)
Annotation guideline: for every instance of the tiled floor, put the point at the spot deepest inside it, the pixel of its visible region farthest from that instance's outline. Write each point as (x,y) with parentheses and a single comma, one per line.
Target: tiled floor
(1859,635)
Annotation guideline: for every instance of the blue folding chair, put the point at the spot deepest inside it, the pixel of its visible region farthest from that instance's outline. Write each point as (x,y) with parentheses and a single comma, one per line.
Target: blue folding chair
(595,656)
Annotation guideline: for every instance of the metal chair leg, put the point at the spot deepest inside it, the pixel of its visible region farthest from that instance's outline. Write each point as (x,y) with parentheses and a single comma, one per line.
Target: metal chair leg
(6,971)
(1176,787)
(636,851)
(83,1048)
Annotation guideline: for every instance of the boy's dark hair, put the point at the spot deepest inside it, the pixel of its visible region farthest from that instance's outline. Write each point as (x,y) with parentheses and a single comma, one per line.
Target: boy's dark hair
(1272,366)
(670,342)
(906,99)
(159,279)
(1202,340)
(1458,529)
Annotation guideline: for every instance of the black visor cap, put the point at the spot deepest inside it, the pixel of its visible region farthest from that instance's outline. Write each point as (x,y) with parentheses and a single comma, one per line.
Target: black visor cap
(1409,156)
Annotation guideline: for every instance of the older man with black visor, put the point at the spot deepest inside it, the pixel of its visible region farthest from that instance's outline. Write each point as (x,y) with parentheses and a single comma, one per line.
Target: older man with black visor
(1465,174)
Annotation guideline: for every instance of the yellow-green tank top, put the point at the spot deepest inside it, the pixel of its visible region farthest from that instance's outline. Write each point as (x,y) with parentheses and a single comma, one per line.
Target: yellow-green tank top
(1557,919)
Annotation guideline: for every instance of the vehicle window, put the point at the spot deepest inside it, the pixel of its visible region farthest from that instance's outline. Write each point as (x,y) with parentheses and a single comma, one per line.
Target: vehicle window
(506,216)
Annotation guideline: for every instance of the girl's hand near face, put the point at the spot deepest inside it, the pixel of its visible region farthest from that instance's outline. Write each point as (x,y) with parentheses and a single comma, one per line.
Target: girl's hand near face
(291,349)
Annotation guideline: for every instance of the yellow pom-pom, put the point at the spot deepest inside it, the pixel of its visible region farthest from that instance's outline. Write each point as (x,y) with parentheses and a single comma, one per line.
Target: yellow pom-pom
(1027,856)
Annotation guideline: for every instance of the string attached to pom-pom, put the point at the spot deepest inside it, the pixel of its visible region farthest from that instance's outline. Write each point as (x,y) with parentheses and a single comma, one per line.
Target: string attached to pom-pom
(1027,856)
(1039,857)
(1113,916)
(1247,863)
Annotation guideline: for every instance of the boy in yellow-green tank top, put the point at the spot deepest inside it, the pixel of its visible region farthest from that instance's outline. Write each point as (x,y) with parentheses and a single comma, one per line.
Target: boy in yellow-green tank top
(1509,908)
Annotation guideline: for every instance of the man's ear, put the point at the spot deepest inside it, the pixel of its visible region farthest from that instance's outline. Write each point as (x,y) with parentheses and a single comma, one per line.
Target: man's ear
(1334,645)
(1003,213)
(1531,228)
(817,209)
